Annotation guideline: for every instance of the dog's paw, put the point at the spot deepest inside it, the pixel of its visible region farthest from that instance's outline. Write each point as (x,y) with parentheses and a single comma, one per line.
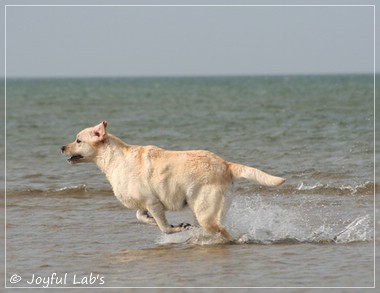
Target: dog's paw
(183,226)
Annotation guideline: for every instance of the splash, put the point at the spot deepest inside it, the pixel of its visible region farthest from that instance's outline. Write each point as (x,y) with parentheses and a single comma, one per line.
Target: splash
(250,220)
(359,230)
(194,236)
(258,222)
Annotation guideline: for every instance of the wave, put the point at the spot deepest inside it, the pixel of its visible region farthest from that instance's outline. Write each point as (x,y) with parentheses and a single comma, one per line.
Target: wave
(252,220)
(366,188)
(67,191)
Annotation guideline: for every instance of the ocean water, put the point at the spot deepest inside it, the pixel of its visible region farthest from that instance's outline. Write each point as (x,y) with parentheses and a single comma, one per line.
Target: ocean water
(64,227)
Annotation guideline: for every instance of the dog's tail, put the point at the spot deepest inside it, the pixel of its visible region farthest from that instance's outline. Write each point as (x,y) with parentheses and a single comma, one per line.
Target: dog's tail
(242,171)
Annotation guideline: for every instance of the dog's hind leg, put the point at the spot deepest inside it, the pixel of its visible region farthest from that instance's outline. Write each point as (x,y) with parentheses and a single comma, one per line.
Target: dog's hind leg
(210,210)
(213,226)
(144,217)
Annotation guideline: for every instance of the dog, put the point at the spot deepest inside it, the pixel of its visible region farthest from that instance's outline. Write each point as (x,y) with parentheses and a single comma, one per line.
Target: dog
(153,180)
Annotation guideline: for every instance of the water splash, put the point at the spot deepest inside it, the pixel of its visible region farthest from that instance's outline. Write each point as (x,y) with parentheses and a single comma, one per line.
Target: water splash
(359,230)
(250,220)
(258,222)
(194,236)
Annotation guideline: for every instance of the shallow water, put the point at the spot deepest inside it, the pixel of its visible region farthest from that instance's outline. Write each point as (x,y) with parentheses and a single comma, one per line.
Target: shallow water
(280,242)
(64,226)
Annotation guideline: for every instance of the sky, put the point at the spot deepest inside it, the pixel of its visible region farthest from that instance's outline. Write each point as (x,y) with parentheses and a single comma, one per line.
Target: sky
(74,41)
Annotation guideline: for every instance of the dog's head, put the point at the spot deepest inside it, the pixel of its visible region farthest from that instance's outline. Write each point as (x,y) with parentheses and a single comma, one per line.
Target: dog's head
(85,147)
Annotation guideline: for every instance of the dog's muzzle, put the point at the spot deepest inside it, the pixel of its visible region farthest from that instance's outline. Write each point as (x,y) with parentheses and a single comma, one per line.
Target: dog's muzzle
(74,158)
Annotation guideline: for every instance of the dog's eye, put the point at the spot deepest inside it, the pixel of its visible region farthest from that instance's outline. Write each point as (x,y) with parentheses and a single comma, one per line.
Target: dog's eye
(79,141)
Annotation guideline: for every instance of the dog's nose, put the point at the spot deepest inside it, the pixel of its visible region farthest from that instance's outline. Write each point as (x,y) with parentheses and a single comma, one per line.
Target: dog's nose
(63,148)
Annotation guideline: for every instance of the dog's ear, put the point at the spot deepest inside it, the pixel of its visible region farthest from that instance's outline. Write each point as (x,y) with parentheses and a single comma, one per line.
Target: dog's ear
(99,131)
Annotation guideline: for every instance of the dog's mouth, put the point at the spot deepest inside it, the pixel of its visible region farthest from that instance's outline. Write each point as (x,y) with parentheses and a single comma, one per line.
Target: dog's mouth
(75,158)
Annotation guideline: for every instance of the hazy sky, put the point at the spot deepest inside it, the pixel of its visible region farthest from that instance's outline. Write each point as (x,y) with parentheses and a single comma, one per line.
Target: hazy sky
(155,41)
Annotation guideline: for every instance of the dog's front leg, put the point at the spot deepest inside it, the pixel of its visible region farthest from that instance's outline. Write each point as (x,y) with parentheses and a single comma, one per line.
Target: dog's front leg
(144,217)
(156,209)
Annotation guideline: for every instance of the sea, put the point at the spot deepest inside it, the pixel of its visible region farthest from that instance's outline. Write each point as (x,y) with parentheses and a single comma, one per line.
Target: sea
(65,228)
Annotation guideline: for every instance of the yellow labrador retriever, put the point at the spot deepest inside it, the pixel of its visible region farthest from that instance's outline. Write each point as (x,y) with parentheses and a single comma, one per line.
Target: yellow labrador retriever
(152,180)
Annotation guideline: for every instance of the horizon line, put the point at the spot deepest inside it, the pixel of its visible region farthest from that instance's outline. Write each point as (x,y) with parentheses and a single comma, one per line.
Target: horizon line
(186,75)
